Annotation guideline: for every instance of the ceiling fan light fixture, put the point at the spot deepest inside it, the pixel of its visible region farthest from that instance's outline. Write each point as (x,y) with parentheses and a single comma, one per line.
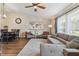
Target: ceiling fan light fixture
(4,16)
(35,7)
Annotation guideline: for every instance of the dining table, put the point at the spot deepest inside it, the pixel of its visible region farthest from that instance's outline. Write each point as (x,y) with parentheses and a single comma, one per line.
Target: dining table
(8,36)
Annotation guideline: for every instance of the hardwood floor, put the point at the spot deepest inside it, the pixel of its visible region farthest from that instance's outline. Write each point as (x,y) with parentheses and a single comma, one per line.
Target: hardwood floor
(13,48)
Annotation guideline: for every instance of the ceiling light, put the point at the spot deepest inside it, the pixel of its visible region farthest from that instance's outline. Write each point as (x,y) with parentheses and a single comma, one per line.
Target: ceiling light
(3,11)
(35,7)
(4,16)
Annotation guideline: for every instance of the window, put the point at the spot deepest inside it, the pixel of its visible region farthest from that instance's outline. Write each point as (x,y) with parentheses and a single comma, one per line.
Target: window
(74,21)
(69,23)
(61,24)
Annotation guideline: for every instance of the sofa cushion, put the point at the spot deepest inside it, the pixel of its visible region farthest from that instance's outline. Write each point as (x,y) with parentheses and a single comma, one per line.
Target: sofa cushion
(55,41)
(51,50)
(74,43)
(62,40)
(71,37)
(53,36)
(45,33)
(63,36)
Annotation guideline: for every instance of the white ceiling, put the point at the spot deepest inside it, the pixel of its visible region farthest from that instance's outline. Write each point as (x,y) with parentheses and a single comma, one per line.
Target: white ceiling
(51,9)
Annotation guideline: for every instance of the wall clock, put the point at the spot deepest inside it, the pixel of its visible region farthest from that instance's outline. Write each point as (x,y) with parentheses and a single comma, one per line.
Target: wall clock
(18,20)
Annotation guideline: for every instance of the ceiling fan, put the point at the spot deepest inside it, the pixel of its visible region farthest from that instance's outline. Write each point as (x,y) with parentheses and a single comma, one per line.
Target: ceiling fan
(35,6)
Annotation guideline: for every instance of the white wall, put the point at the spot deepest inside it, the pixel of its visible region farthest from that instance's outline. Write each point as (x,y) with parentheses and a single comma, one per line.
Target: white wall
(0,21)
(0,15)
(24,26)
(53,24)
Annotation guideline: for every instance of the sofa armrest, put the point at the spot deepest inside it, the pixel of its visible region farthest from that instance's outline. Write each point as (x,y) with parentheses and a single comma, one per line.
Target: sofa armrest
(62,40)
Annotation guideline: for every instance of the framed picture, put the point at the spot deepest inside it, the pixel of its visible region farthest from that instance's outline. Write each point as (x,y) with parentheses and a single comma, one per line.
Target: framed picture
(36,28)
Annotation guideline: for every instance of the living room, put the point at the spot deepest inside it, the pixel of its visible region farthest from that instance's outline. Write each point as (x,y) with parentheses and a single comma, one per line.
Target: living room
(25,28)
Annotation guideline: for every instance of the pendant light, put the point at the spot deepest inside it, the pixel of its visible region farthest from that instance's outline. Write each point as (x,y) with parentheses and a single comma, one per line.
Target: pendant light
(3,11)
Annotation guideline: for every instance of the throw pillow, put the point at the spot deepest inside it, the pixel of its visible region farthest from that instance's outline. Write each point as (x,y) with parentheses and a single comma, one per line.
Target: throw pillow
(74,43)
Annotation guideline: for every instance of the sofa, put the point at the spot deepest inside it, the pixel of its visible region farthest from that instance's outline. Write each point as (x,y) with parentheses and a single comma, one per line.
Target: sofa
(54,47)
(44,35)
(57,43)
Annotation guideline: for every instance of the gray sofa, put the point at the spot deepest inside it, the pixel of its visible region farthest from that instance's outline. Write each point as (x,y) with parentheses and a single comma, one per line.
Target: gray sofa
(57,43)
(54,47)
(66,37)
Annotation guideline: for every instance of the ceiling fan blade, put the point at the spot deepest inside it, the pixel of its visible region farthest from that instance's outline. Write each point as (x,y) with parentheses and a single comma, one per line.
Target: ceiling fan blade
(28,6)
(34,4)
(37,3)
(41,7)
